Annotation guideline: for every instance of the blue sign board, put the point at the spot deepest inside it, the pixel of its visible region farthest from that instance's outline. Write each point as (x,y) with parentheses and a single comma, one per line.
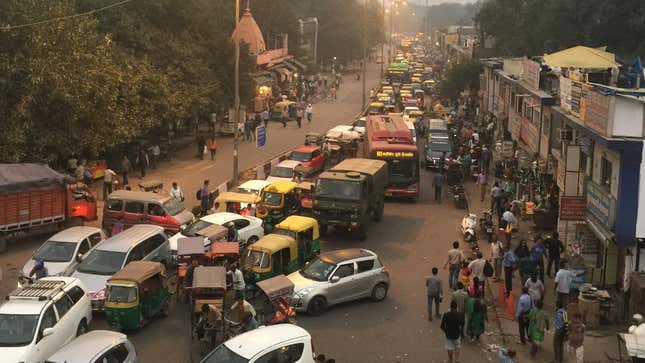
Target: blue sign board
(260,136)
(600,204)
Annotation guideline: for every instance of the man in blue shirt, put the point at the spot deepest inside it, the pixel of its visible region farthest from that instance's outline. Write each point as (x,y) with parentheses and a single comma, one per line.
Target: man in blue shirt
(538,253)
(561,322)
(524,305)
(509,262)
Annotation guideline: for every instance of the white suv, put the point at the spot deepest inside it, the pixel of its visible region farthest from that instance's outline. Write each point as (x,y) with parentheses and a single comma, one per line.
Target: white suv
(37,320)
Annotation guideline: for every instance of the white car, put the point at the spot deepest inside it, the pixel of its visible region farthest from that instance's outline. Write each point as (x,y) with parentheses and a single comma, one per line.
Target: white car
(63,251)
(413,131)
(359,125)
(248,228)
(283,171)
(275,343)
(254,187)
(38,319)
(97,346)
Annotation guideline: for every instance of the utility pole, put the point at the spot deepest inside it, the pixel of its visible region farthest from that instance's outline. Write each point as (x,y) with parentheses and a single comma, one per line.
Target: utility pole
(364,45)
(237,94)
(383,41)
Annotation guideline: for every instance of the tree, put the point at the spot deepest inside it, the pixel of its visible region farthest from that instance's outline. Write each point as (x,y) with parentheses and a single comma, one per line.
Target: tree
(460,76)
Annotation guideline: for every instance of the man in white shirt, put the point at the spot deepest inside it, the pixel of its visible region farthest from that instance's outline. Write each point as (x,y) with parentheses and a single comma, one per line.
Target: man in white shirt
(176,192)
(476,266)
(108,178)
(496,252)
(563,284)
(238,281)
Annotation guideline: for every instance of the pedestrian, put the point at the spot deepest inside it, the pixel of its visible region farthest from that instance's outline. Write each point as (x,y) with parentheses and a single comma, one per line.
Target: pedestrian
(125,169)
(554,248)
(482,180)
(285,116)
(560,334)
(524,306)
(576,338)
(476,288)
(496,251)
(212,147)
(438,181)
(452,324)
(238,281)
(118,226)
(176,192)
(455,258)
(310,112)
(155,151)
(509,262)
(201,145)
(485,157)
(332,92)
(142,161)
(265,117)
(108,179)
(205,197)
(460,296)
(506,355)
(538,323)
(535,288)
(476,316)
(257,120)
(434,292)
(495,197)
(464,274)
(509,222)
(248,126)
(526,265)
(538,253)
(562,281)
(476,266)
(299,114)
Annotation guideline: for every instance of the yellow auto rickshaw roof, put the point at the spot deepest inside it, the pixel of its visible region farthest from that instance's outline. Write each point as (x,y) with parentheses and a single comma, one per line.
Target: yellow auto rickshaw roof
(138,271)
(394,114)
(273,242)
(237,197)
(281,186)
(429,81)
(297,223)
(376,104)
(416,113)
(382,95)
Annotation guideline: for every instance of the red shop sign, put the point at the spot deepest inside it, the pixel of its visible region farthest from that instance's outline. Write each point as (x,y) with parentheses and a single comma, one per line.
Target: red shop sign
(572,208)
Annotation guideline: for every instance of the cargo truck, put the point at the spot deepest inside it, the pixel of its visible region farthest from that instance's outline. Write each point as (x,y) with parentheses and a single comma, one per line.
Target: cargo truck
(34,198)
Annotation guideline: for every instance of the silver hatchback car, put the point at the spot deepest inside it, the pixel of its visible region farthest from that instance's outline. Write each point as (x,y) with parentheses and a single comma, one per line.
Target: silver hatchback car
(339,276)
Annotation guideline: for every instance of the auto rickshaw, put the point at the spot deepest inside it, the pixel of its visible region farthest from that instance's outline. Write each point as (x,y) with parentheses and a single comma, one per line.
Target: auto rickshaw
(135,294)
(295,241)
(209,287)
(278,201)
(278,110)
(272,303)
(415,116)
(304,191)
(234,202)
(376,108)
(314,138)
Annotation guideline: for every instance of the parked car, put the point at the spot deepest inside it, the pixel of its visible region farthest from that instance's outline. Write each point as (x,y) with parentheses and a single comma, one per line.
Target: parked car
(283,171)
(310,156)
(249,228)
(63,251)
(275,343)
(97,346)
(339,276)
(141,242)
(145,207)
(38,319)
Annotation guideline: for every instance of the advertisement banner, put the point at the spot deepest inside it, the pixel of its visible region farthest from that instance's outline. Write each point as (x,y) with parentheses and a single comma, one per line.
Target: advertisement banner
(572,208)
(600,204)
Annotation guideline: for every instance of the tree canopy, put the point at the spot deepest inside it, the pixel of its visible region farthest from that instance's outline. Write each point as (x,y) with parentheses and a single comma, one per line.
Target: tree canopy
(460,76)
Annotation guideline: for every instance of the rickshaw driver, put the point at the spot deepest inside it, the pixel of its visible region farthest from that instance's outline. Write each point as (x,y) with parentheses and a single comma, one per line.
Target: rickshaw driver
(245,313)
(232,235)
(207,321)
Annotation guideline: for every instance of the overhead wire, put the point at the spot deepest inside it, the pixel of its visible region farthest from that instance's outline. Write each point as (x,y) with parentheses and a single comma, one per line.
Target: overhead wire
(63,18)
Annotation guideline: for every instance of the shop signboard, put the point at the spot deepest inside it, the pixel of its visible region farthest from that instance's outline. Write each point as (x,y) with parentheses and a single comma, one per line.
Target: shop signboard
(596,115)
(507,149)
(600,204)
(565,93)
(572,208)
(531,73)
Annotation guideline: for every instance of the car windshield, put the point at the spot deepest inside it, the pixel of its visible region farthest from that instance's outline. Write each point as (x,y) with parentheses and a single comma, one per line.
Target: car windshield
(257,259)
(338,189)
(300,156)
(100,262)
(439,146)
(318,270)
(17,330)
(402,172)
(121,293)
(285,232)
(54,251)
(247,191)
(192,229)
(282,172)
(272,199)
(359,123)
(173,206)
(223,354)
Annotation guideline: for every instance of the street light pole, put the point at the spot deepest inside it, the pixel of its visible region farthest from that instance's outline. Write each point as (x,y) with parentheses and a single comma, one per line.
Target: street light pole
(237,94)
(364,46)
(383,41)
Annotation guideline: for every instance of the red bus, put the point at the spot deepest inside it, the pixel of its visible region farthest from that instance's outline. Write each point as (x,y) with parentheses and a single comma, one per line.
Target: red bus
(390,140)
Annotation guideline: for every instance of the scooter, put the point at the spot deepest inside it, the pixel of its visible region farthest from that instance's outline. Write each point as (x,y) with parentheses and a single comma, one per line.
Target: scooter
(468,226)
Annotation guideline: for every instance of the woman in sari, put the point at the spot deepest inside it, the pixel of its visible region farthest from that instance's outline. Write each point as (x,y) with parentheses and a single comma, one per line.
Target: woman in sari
(476,316)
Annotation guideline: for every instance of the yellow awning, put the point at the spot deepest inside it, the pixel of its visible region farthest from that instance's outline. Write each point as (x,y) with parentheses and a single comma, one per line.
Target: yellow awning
(581,57)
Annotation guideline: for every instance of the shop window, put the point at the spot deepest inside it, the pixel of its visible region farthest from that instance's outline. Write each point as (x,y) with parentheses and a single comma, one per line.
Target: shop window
(605,173)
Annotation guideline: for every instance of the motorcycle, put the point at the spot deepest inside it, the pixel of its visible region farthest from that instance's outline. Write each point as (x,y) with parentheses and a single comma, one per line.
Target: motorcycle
(459,197)
(487,226)
(468,226)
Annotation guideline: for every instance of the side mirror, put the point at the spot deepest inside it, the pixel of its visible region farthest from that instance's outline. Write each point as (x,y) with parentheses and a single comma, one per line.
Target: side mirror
(47,332)
(79,257)
(334,279)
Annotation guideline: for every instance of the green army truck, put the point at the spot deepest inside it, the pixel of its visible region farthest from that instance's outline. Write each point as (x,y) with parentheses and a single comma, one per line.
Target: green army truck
(347,195)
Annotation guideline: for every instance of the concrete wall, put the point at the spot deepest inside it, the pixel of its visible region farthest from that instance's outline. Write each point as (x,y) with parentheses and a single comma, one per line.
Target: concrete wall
(628,117)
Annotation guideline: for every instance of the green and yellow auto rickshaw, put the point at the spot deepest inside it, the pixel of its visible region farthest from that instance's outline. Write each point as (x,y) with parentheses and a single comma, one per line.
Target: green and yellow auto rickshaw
(294,242)
(136,294)
(279,200)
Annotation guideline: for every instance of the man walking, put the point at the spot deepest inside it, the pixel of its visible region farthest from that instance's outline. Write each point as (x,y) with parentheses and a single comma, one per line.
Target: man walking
(238,281)
(562,281)
(509,261)
(455,258)
(125,169)
(537,255)
(200,147)
(496,193)
(212,147)
(576,338)
(299,114)
(524,306)
(452,324)
(310,112)
(108,179)
(176,192)
(435,293)
(561,325)
(438,181)
(496,251)
(248,128)
(460,296)
(265,117)
(476,267)
(205,197)
(554,248)
(482,180)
